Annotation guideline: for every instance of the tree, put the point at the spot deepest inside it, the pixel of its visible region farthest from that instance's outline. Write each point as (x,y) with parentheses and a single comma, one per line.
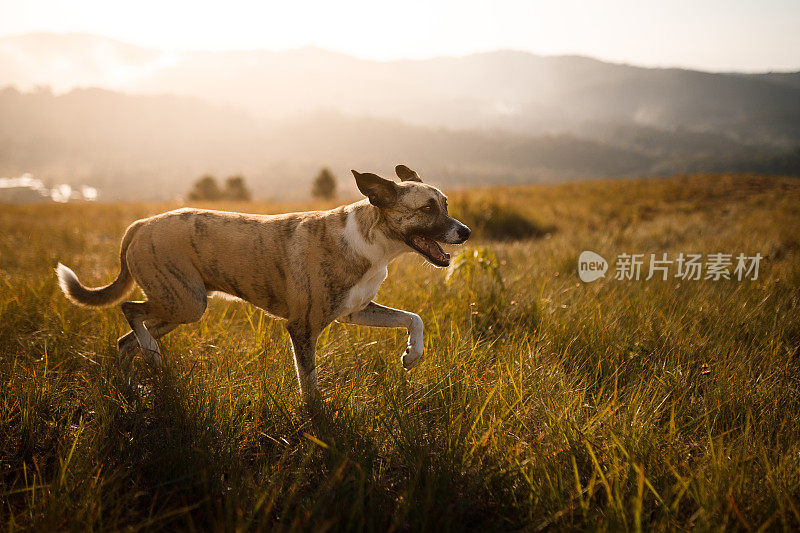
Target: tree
(235,189)
(205,188)
(324,185)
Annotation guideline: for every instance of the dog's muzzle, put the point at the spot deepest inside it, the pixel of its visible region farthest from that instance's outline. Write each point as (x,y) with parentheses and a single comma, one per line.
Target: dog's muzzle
(428,246)
(457,234)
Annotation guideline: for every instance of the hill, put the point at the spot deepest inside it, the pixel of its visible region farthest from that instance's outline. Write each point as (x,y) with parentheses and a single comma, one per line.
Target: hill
(152,147)
(509,90)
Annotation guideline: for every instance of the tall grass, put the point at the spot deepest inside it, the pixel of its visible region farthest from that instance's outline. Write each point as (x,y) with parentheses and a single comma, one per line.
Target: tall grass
(543,402)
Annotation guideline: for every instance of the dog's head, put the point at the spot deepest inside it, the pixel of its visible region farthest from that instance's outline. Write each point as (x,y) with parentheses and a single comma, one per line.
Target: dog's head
(414,213)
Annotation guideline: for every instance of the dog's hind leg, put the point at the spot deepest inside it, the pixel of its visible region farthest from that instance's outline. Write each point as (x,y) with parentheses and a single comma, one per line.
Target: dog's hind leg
(386,317)
(175,295)
(136,313)
(146,328)
(128,342)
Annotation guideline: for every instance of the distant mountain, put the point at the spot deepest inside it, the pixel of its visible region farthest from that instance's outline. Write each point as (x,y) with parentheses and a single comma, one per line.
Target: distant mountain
(153,147)
(66,61)
(792,79)
(511,91)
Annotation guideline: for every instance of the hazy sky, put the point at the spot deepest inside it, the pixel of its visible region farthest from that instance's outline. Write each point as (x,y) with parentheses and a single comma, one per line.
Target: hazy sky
(713,35)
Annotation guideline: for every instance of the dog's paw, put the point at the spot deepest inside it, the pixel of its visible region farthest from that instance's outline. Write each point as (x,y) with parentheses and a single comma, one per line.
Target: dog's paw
(153,358)
(126,345)
(416,344)
(411,357)
(313,401)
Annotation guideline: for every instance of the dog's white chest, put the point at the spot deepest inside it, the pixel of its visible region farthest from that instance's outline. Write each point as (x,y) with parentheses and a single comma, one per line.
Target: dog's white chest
(364,290)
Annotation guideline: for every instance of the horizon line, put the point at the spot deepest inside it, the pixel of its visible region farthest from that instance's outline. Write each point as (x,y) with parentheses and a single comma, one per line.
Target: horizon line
(433,57)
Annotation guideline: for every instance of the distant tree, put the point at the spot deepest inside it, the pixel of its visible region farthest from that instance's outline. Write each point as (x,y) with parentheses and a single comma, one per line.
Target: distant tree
(205,188)
(324,185)
(235,189)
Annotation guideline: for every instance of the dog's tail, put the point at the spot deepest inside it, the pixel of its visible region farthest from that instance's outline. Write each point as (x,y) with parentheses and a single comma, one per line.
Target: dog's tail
(112,293)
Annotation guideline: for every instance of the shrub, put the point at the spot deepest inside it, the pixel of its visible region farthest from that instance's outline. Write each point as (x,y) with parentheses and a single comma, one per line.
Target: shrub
(477,273)
(495,220)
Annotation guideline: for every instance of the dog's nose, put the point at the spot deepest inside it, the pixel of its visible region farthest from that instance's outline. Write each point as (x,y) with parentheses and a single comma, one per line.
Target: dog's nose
(463,233)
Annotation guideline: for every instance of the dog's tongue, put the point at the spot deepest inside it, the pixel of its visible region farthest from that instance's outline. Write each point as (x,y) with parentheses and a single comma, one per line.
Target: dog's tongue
(431,247)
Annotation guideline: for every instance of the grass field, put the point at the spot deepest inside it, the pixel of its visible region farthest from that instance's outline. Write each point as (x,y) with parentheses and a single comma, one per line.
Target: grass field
(543,402)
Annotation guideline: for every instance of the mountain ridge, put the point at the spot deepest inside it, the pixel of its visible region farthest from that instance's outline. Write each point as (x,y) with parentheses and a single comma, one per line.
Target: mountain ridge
(148,123)
(505,89)
(152,147)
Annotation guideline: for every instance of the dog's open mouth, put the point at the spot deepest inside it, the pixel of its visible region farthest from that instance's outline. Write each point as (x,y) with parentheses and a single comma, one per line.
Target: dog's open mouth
(430,250)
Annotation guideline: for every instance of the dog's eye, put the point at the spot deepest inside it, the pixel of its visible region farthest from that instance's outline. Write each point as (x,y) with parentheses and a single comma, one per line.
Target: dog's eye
(427,208)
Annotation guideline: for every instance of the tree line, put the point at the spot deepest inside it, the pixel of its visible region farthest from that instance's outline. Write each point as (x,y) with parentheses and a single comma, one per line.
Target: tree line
(234,188)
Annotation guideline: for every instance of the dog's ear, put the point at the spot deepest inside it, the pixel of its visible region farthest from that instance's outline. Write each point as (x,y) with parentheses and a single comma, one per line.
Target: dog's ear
(406,174)
(381,192)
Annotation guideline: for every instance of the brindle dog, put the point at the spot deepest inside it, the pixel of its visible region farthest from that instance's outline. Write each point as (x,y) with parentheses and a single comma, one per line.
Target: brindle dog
(309,268)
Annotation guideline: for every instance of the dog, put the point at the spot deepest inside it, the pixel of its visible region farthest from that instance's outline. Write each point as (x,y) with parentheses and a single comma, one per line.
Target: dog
(309,268)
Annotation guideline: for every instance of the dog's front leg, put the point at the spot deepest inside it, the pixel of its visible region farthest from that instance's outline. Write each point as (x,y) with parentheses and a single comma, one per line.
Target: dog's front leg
(304,343)
(385,317)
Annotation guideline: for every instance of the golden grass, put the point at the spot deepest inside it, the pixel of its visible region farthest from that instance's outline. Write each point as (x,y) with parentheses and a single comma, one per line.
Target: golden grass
(543,403)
